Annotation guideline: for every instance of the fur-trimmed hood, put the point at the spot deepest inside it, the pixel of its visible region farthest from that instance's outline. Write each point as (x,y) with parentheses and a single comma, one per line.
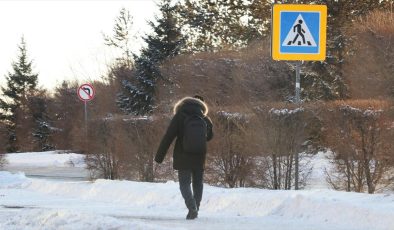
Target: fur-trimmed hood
(190,105)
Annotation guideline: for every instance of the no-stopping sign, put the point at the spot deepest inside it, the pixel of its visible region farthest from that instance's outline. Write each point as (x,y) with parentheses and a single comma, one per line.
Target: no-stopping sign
(86,92)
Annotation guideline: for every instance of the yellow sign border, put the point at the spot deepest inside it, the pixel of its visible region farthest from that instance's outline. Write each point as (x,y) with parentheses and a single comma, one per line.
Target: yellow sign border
(275,42)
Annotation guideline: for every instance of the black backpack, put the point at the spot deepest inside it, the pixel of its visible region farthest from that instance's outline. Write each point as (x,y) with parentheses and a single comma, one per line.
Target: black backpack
(194,135)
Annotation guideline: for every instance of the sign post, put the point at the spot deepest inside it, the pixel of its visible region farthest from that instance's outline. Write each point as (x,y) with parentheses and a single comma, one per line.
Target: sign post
(298,34)
(86,93)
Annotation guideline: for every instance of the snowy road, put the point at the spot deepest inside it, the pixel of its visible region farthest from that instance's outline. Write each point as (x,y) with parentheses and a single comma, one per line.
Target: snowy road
(31,203)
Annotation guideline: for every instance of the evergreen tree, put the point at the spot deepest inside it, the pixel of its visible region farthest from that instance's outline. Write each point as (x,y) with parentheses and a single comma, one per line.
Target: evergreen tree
(41,122)
(166,41)
(19,84)
(216,24)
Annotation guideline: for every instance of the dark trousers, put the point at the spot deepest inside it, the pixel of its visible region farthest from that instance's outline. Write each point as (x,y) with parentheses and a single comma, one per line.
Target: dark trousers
(186,177)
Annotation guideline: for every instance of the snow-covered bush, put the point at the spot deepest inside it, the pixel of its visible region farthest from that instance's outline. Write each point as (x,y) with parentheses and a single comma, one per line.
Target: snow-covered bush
(286,131)
(231,153)
(123,147)
(360,136)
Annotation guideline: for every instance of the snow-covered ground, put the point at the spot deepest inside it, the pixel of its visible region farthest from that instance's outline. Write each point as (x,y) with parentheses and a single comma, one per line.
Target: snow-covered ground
(49,165)
(320,164)
(31,203)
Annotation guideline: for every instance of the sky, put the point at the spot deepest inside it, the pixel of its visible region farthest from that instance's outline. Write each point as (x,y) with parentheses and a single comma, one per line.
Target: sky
(65,38)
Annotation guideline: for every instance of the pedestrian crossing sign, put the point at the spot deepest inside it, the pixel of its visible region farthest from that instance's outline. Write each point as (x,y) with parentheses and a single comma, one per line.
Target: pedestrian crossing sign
(299,32)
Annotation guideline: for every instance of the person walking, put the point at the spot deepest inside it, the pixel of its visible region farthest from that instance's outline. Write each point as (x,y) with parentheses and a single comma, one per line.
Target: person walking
(300,32)
(192,128)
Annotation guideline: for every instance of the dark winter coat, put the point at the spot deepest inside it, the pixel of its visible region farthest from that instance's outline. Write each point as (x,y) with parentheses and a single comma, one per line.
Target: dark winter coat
(182,161)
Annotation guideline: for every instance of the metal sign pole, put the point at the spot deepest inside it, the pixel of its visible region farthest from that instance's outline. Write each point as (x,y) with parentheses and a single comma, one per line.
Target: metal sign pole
(86,93)
(298,84)
(86,120)
(298,102)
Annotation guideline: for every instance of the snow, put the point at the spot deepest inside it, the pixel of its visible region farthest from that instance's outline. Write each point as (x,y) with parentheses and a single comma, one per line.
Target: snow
(320,164)
(51,158)
(366,113)
(228,115)
(50,165)
(281,112)
(31,203)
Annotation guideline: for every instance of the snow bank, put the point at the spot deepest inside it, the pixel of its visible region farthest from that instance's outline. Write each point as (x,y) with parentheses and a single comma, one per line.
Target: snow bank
(46,159)
(10,180)
(357,211)
(70,220)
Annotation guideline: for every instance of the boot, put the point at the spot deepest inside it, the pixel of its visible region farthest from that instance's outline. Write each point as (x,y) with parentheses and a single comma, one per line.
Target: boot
(192,214)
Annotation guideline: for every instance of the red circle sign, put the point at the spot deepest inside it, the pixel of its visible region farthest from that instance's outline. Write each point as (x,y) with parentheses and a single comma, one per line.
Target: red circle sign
(86,92)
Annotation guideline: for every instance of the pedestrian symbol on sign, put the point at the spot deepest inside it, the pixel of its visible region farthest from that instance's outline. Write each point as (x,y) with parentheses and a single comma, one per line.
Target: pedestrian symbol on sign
(299,34)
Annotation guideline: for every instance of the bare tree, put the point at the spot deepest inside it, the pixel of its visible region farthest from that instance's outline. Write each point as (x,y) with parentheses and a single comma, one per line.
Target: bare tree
(284,133)
(123,147)
(102,159)
(357,136)
(231,159)
(143,138)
